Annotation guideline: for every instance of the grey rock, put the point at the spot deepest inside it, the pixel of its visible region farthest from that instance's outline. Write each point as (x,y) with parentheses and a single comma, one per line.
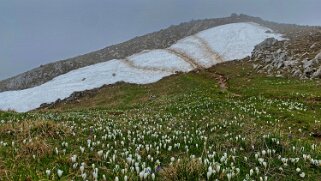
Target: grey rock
(255,66)
(308,63)
(313,45)
(266,43)
(308,71)
(280,65)
(267,60)
(297,73)
(317,74)
(290,63)
(318,56)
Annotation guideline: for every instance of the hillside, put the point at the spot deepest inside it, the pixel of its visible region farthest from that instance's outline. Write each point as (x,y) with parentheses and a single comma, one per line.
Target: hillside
(157,40)
(209,103)
(226,123)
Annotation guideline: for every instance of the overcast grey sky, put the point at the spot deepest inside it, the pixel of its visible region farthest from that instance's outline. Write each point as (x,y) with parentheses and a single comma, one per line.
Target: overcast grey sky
(35,32)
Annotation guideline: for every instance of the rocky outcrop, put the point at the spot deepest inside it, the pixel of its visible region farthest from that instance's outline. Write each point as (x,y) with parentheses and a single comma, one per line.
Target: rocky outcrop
(298,56)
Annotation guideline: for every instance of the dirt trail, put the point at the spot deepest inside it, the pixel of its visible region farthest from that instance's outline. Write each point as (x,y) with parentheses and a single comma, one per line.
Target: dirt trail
(213,54)
(184,57)
(130,63)
(215,57)
(222,81)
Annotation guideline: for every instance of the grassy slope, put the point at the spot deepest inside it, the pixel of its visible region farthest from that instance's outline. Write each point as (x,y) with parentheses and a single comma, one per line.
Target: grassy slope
(253,114)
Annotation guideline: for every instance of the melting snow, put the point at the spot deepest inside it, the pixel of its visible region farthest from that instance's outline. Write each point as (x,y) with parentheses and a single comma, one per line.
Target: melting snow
(206,48)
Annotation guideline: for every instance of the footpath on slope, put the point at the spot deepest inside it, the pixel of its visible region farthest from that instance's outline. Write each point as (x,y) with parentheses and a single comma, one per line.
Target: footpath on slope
(215,57)
(184,57)
(130,63)
(213,54)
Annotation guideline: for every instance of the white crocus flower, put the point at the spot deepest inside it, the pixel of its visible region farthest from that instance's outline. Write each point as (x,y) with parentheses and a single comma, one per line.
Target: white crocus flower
(48,172)
(82,168)
(59,173)
(84,176)
(73,158)
(100,153)
(302,175)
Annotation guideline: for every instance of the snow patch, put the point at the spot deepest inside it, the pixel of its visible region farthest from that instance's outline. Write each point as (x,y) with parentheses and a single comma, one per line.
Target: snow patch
(206,48)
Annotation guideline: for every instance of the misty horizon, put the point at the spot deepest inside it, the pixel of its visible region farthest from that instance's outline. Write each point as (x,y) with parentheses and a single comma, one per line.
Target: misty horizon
(37,32)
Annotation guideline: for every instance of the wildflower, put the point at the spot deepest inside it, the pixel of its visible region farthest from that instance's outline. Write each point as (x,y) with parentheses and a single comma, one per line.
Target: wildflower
(95,173)
(251,172)
(302,175)
(172,159)
(245,159)
(209,173)
(100,153)
(74,166)
(145,175)
(84,176)
(82,168)
(48,172)
(59,173)
(141,175)
(82,149)
(229,176)
(73,158)
(257,170)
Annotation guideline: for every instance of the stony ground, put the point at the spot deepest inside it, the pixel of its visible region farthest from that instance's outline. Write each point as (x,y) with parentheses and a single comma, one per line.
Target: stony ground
(225,123)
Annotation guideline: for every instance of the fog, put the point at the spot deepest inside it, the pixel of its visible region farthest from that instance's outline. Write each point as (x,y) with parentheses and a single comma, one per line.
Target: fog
(36,32)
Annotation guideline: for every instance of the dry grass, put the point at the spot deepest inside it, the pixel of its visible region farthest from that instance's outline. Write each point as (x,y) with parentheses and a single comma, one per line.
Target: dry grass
(183,170)
(39,148)
(4,173)
(30,129)
(33,137)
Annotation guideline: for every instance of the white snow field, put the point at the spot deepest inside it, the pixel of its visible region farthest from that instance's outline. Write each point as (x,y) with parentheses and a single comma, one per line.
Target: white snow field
(202,50)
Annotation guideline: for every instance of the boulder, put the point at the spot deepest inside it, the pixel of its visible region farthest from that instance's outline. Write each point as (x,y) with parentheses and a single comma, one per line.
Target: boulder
(308,71)
(279,65)
(317,74)
(290,63)
(266,43)
(308,63)
(297,73)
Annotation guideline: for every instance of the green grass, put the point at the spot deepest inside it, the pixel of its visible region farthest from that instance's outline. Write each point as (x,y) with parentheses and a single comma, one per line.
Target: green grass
(176,129)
